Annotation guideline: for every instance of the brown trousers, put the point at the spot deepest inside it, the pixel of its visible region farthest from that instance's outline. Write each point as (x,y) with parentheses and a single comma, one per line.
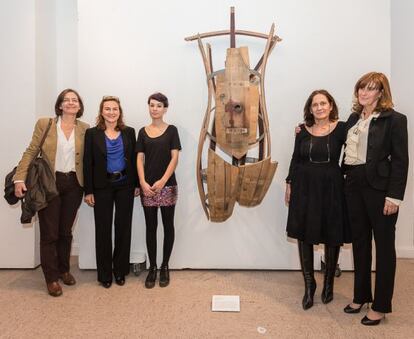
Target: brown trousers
(56,221)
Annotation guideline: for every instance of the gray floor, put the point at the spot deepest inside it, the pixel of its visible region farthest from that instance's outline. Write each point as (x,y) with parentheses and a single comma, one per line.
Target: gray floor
(270,307)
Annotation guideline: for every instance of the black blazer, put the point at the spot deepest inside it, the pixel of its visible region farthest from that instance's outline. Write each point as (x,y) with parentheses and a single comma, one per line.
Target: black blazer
(94,159)
(387,152)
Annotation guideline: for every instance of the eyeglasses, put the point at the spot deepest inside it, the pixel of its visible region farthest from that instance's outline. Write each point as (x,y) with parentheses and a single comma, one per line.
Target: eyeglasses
(328,153)
(110,97)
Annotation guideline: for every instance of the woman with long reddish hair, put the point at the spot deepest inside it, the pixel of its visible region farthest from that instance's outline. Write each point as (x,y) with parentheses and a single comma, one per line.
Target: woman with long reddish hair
(376,168)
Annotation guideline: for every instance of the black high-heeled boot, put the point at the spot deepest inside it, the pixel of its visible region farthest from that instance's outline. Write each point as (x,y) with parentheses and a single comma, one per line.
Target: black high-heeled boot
(306,263)
(331,259)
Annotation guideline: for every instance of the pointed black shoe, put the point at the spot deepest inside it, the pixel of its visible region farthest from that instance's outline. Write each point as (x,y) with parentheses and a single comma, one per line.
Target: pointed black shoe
(151,277)
(331,259)
(164,276)
(307,300)
(369,322)
(120,280)
(350,310)
(306,262)
(106,284)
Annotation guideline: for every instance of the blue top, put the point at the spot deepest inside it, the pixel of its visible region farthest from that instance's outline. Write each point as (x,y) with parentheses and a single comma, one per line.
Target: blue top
(115,158)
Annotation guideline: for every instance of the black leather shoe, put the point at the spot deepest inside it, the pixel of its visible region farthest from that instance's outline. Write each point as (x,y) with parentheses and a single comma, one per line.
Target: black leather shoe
(164,276)
(350,310)
(106,284)
(369,322)
(151,277)
(120,280)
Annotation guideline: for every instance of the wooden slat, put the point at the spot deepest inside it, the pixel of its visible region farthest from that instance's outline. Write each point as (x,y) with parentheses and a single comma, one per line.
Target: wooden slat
(255,181)
(252,105)
(267,182)
(222,185)
(249,174)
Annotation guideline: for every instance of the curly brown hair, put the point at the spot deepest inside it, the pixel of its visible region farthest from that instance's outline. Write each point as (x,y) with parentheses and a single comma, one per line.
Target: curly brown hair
(374,80)
(100,122)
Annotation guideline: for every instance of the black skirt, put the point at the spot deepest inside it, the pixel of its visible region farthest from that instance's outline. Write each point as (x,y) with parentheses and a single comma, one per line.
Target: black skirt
(317,210)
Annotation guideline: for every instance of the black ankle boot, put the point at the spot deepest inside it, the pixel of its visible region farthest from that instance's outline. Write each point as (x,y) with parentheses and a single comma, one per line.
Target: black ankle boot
(151,277)
(331,259)
(306,262)
(164,276)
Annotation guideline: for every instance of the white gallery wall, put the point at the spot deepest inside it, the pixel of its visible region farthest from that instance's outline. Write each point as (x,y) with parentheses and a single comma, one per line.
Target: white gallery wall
(17,109)
(132,48)
(28,90)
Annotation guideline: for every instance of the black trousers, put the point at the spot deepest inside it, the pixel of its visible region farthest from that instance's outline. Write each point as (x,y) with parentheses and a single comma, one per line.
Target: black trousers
(151,221)
(365,209)
(121,196)
(55,223)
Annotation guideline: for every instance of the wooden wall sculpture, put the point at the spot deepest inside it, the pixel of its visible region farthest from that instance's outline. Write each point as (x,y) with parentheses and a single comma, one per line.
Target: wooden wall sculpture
(235,124)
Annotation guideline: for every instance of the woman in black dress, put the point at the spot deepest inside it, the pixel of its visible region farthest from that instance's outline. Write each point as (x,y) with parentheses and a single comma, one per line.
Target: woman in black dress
(314,191)
(157,146)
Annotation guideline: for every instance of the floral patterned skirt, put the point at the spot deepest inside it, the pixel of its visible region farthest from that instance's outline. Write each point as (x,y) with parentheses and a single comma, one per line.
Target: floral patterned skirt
(167,197)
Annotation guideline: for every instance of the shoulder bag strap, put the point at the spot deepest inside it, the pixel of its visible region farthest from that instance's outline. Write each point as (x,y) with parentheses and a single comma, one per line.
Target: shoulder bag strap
(40,151)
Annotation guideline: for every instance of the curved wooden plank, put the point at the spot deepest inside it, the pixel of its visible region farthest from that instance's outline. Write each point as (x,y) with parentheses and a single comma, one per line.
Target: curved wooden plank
(204,131)
(262,92)
(255,180)
(227,32)
(259,63)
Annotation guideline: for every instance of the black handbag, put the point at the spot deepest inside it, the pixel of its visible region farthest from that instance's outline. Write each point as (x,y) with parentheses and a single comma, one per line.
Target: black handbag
(8,182)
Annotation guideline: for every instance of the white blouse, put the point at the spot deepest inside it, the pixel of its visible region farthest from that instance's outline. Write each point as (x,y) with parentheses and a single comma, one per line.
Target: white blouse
(65,151)
(357,141)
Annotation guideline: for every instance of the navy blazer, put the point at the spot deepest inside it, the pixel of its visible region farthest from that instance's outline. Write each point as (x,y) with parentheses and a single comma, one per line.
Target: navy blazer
(387,152)
(95,155)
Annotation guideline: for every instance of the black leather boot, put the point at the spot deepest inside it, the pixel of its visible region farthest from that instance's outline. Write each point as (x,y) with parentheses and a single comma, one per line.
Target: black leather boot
(306,262)
(331,259)
(164,276)
(151,277)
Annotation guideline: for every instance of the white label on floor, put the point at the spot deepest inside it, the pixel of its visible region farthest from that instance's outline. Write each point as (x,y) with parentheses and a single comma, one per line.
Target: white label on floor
(225,303)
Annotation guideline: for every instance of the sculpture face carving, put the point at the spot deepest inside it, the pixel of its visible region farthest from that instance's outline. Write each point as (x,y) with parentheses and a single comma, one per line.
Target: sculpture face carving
(237,103)
(239,124)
